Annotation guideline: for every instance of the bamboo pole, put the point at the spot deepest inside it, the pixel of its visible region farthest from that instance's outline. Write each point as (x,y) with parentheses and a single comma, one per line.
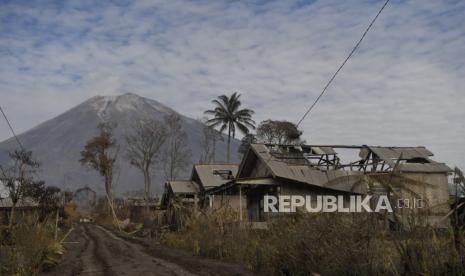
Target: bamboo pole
(240,204)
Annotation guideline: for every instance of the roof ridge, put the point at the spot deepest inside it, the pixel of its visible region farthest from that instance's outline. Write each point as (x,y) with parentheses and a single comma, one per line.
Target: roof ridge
(217,164)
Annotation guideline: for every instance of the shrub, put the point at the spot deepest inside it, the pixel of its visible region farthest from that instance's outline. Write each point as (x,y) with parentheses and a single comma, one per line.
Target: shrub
(326,244)
(28,248)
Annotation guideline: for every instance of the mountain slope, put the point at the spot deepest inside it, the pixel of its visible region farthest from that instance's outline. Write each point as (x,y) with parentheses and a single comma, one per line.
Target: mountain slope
(57,143)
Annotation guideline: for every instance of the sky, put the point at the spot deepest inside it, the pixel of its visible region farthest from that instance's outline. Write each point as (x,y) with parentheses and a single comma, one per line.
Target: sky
(405,85)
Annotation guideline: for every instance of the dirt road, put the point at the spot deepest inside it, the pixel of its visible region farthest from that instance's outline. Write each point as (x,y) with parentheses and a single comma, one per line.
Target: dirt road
(94,250)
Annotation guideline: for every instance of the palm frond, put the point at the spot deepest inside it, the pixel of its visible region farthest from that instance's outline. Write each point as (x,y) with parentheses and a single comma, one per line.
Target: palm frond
(223,128)
(220,105)
(227,115)
(244,129)
(223,101)
(234,102)
(210,112)
(245,112)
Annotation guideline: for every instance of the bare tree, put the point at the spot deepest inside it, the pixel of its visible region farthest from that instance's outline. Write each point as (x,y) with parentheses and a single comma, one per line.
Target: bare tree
(208,143)
(177,155)
(100,153)
(18,178)
(143,146)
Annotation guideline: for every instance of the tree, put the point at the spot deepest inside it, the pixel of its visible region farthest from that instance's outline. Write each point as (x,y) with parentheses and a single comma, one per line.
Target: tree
(228,115)
(18,178)
(48,197)
(177,155)
(100,154)
(246,141)
(208,143)
(278,132)
(143,146)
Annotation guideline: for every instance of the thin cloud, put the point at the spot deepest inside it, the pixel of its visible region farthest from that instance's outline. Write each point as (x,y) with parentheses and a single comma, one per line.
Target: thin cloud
(403,87)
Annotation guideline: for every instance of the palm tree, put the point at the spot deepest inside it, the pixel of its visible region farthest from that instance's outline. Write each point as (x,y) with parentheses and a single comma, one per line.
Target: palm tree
(227,115)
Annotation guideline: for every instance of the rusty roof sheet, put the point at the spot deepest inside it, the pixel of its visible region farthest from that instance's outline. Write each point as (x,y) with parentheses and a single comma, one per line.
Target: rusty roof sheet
(208,179)
(184,187)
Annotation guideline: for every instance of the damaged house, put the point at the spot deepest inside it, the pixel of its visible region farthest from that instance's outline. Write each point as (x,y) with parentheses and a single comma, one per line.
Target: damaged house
(194,192)
(204,177)
(182,191)
(178,194)
(212,176)
(406,173)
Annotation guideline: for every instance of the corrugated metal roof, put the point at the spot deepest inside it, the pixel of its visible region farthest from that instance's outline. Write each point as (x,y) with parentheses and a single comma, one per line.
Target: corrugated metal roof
(336,180)
(207,177)
(425,168)
(281,163)
(184,187)
(391,154)
(396,152)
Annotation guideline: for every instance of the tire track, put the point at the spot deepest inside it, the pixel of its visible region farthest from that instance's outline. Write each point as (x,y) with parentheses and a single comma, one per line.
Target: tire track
(116,256)
(92,262)
(95,250)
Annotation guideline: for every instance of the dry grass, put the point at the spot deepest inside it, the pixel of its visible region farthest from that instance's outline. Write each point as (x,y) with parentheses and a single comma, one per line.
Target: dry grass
(327,244)
(28,248)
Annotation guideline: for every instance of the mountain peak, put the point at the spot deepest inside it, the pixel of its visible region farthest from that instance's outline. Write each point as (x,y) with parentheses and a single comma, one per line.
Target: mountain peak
(130,94)
(126,96)
(57,143)
(129,97)
(103,105)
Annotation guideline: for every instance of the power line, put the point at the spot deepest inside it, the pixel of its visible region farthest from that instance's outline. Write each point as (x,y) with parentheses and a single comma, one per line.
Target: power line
(14,135)
(11,128)
(343,63)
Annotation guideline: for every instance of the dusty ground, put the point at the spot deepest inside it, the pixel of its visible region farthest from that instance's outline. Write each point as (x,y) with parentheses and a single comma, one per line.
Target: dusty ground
(94,250)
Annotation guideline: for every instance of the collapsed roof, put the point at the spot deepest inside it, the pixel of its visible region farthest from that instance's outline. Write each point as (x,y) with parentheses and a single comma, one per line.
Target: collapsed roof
(290,163)
(409,159)
(321,165)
